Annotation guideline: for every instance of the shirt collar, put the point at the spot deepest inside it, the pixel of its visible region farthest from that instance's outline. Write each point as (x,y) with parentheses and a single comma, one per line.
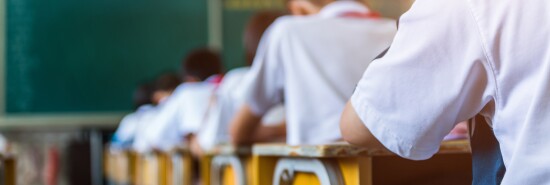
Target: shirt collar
(340,7)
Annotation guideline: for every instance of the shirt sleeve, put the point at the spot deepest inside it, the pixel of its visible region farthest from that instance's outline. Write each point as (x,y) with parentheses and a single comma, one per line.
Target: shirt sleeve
(125,133)
(434,75)
(162,132)
(266,75)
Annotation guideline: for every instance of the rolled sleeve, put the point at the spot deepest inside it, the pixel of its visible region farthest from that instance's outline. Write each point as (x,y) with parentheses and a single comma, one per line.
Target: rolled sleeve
(434,75)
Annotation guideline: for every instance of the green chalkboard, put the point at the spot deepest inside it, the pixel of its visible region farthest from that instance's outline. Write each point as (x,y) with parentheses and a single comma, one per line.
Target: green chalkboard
(234,22)
(88,55)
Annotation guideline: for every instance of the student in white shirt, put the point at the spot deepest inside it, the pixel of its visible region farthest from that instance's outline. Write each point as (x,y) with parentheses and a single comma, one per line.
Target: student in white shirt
(182,113)
(146,97)
(232,92)
(126,131)
(450,61)
(312,64)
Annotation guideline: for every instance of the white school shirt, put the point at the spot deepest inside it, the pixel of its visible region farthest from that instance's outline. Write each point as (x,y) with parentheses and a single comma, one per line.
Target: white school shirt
(179,115)
(454,59)
(230,96)
(126,131)
(312,64)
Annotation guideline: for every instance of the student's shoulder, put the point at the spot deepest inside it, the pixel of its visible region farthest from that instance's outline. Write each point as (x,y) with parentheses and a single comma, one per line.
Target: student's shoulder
(286,23)
(233,78)
(190,86)
(235,73)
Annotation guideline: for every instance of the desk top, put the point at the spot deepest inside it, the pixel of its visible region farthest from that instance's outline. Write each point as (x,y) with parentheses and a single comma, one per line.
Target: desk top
(228,149)
(344,150)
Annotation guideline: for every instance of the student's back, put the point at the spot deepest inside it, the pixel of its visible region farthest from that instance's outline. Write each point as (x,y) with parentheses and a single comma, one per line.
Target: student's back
(183,111)
(488,56)
(516,37)
(313,63)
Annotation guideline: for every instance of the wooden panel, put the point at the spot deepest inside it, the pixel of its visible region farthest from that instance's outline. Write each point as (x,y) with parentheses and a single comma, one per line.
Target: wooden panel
(449,169)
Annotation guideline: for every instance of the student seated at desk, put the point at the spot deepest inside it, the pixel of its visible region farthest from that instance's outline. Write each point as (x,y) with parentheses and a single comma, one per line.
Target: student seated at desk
(488,58)
(231,94)
(312,61)
(146,97)
(182,112)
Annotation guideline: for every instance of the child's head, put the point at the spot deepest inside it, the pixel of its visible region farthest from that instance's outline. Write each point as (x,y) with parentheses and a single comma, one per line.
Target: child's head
(201,64)
(254,30)
(143,94)
(164,86)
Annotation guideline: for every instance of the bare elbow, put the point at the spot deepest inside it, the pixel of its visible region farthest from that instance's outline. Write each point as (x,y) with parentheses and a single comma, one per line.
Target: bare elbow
(354,130)
(234,134)
(347,129)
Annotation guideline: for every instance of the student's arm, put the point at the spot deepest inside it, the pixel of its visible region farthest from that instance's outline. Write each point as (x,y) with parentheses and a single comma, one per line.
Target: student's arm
(195,147)
(266,133)
(244,125)
(434,75)
(265,91)
(355,132)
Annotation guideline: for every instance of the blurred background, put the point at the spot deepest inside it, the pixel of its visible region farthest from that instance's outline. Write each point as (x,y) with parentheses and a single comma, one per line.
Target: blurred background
(69,68)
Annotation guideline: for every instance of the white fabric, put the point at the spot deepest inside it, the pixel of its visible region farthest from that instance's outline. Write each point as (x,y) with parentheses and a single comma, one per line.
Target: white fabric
(230,96)
(126,131)
(312,64)
(453,59)
(179,115)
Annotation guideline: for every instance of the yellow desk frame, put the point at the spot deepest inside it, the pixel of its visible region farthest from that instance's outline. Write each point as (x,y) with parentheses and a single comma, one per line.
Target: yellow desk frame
(344,164)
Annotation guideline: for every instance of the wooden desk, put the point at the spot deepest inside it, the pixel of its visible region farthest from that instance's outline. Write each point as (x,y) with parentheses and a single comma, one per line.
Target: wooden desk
(227,165)
(179,167)
(119,166)
(345,164)
(7,170)
(165,168)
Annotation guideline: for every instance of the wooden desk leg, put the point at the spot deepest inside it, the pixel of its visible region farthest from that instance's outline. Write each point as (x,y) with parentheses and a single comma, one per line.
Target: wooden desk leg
(263,169)
(133,167)
(9,166)
(356,170)
(164,168)
(180,170)
(205,163)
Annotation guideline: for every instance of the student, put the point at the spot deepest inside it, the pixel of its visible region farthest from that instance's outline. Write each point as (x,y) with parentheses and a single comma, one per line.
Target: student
(145,98)
(231,94)
(312,64)
(182,113)
(482,57)
(127,128)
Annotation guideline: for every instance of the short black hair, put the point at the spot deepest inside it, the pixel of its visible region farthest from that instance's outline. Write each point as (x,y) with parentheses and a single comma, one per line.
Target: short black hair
(167,82)
(202,63)
(143,94)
